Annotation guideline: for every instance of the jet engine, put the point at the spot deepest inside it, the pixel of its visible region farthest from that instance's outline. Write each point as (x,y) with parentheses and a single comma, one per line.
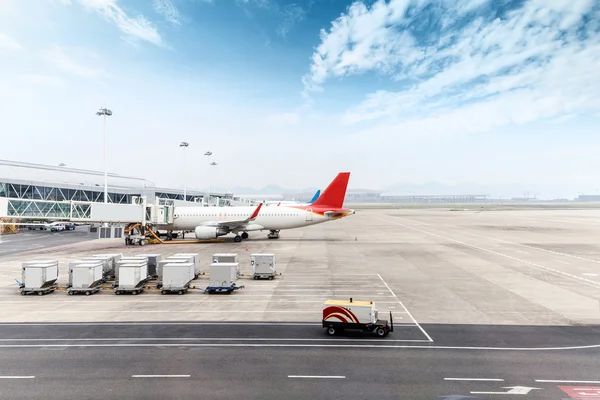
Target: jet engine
(208,232)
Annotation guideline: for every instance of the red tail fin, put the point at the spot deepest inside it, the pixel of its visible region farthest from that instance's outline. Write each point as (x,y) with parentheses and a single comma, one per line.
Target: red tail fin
(334,195)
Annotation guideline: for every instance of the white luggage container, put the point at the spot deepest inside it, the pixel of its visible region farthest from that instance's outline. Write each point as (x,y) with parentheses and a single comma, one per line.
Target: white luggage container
(196,257)
(225,258)
(85,278)
(223,277)
(112,259)
(173,259)
(130,260)
(108,268)
(153,260)
(92,261)
(177,277)
(131,278)
(263,265)
(39,276)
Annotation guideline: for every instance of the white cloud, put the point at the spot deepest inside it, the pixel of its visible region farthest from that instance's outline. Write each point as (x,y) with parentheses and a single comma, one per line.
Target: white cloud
(57,56)
(135,28)
(531,64)
(168,10)
(39,79)
(7,43)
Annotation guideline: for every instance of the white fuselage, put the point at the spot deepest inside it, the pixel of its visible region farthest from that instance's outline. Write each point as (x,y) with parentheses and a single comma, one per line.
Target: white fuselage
(269,218)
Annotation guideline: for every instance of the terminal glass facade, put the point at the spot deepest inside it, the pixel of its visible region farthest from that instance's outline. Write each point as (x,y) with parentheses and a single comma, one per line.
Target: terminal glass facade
(36,192)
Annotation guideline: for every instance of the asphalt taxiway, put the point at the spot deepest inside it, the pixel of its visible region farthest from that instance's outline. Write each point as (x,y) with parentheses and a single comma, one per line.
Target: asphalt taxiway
(28,241)
(186,370)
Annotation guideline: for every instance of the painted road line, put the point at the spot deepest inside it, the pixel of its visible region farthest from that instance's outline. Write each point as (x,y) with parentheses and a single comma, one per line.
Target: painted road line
(406,310)
(160,376)
(564,381)
(427,347)
(17,377)
(475,379)
(318,376)
(561,261)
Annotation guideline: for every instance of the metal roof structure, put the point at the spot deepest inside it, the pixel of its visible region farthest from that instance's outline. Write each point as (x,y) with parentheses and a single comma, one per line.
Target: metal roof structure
(46,175)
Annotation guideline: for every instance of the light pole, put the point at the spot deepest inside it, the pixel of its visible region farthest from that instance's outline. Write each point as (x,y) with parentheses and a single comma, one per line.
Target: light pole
(185,145)
(208,154)
(106,113)
(214,164)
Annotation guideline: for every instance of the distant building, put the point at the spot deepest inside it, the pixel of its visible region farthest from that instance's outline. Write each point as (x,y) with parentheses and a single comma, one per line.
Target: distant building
(588,197)
(447,198)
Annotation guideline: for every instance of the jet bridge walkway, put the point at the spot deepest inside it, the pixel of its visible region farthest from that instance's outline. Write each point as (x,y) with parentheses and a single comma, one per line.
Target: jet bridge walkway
(85,212)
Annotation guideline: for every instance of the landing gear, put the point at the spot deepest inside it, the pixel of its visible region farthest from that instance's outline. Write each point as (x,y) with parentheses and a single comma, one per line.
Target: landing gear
(237,238)
(273,235)
(245,235)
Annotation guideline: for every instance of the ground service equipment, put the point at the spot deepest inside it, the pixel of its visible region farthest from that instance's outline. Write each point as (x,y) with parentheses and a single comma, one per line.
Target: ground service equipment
(107,265)
(263,265)
(153,260)
(131,278)
(339,315)
(130,260)
(177,277)
(223,277)
(173,259)
(225,258)
(38,276)
(196,257)
(89,261)
(112,261)
(85,278)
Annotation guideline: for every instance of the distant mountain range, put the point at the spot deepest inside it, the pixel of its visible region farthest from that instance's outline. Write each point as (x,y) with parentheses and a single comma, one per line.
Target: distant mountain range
(541,191)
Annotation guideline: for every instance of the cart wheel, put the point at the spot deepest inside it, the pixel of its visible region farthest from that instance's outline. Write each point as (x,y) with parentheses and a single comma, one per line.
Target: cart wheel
(380,332)
(180,292)
(270,278)
(134,292)
(117,292)
(87,292)
(70,293)
(22,293)
(40,293)
(331,331)
(163,292)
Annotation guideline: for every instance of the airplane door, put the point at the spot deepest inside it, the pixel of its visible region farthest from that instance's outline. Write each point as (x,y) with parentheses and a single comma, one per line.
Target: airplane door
(309,214)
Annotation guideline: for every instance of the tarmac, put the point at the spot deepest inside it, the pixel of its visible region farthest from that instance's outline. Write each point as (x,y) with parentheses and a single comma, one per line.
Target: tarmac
(426,266)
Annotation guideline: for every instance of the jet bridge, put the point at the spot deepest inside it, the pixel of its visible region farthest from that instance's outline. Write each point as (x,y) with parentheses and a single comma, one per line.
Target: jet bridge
(86,212)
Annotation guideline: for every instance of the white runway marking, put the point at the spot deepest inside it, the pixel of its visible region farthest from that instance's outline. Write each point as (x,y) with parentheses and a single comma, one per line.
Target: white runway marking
(127,339)
(406,310)
(160,376)
(562,262)
(17,377)
(357,346)
(475,379)
(318,376)
(588,282)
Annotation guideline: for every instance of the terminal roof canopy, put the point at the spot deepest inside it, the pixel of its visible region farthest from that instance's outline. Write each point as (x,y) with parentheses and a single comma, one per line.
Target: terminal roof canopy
(46,175)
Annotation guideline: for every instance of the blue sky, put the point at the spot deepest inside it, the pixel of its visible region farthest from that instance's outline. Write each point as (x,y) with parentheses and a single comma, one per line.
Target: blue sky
(291,92)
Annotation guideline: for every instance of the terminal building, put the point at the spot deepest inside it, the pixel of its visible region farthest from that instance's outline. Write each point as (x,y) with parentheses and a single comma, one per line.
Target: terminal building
(44,191)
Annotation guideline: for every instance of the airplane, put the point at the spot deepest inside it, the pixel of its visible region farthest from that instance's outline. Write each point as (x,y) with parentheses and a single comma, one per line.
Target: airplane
(212,222)
(283,202)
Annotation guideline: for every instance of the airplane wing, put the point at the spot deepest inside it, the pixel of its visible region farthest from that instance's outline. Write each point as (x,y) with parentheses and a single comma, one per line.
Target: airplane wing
(234,224)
